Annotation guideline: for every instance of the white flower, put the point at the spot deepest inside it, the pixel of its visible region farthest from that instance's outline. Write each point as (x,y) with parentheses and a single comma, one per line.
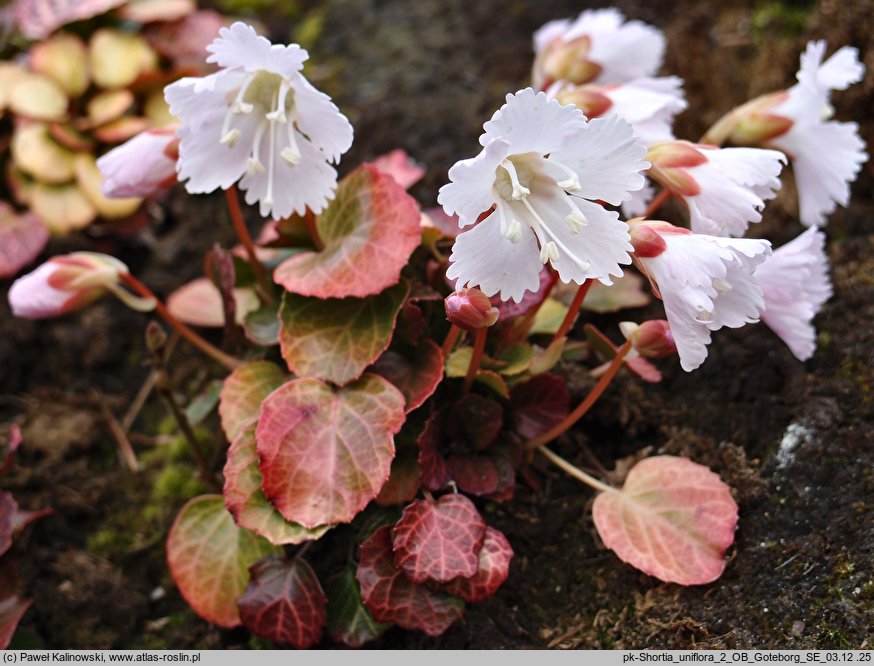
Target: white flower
(542,168)
(648,104)
(724,188)
(141,166)
(258,118)
(826,155)
(795,285)
(598,46)
(705,282)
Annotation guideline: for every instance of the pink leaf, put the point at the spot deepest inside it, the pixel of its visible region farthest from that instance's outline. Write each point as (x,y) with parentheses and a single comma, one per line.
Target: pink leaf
(392,597)
(369,231)
(243,392)
(22,238)
(637,364)
(401,167)
(539,404)
(494,567)
(326,451)
(37,19)
(209,558)
(673,519)
(417,378)
(284,602)
(439,540)
(199,303)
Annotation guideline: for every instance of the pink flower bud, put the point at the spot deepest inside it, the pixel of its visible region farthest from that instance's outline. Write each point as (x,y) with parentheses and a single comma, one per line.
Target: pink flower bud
(651,339)
(64,284)
(470,309)
(646,236)
(141,166)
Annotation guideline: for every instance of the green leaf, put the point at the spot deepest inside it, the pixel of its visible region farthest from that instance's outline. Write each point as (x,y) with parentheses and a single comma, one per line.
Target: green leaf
(209,558)
(203,403)
(336,339)
(549,317)
(625,292)
(349,621)
(247,502)
(518,358)
(243,392)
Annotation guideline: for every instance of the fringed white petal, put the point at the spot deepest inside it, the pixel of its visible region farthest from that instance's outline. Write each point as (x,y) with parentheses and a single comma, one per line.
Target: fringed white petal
(531,122)
(469,192)
(320,119)
(240,46)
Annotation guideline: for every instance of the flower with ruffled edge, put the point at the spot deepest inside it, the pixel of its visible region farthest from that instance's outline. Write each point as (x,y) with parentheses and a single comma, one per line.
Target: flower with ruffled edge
(725,189)
(598,46)
(705,282)
(795,285)
(537,179)
(258,119)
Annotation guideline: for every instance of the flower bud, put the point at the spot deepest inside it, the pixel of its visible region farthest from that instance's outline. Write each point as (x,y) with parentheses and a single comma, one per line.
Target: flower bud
(64,284)
(470,309)
(651,339)
(567,61)
(646,236)
(141,166)
(589,99)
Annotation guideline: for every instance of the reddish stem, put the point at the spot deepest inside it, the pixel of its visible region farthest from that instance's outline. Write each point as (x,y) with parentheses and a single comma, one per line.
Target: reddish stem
(657,202)
(451,339)
(479,346)
(265,284)
(309,220)
(207,348)
(573,311)
(585,405)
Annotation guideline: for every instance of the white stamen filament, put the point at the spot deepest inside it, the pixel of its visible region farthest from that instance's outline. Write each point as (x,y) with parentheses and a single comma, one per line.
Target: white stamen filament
(584,265)
(278,112)
(254,165)
(291,153)
(519,190)
(229,136)
(721,285)
(572,182)
(271,167)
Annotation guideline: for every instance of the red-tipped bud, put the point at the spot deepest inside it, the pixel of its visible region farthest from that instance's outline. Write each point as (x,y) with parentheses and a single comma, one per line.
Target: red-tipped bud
(646,236)
(64,284)
(589,99)
(651,339)
(470,309)
(670,164)
(566,61)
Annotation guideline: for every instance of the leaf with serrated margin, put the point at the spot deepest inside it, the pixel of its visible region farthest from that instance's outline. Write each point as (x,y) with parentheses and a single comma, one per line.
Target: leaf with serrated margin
(247,502)
(209,558)
(243,392)
(392,597)
(417,377)
(439,540)
(349,621)
(336,339)
(326,451)
(673,519)
(369,231)
(494,567)
(284,602)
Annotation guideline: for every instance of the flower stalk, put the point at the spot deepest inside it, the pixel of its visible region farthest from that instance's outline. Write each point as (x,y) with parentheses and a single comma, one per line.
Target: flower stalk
(265,287)
(479,345)
(573,311)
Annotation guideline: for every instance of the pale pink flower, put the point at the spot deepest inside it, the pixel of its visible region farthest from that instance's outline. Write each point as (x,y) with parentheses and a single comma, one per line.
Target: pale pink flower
(259,121)
(598,46)
(706,282)
(542,168)
(648,104)
(141,166)
(64,284)
(795,285)
(725,189)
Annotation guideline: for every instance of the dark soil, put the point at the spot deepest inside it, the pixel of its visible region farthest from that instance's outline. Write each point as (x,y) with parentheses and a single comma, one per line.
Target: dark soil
(795,441)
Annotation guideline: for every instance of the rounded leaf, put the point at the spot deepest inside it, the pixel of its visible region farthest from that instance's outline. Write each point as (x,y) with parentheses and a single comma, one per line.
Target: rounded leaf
(417,377)
(209,558)
(62,208)
(369,231)
(64,59)
(494,567)
(243,392)
(439,540)
(539,404)
(392,597)
(673,519)
(119,58)
(38,155)
(199,303)
(22,238)
(90,181)
(284,602)
(326,451)
(39,97)
(247,502)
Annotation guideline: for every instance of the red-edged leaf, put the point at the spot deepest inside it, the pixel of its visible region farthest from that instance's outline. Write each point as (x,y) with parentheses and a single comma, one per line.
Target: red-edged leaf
(435,474)
(401,167)
(326,451)
(637,364)
(673,519)
(474,474)
(22,238)
(403,482)
(243,392)
(37,19)
(209,558)
(284,602)
(12,609)
(539,404)
(336,339)
(349,621)
(439,540)
(247,502)
(8,509)
(417,378)
(475,420)
(494,567)
(9,444)
(392,597)
(369,231)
